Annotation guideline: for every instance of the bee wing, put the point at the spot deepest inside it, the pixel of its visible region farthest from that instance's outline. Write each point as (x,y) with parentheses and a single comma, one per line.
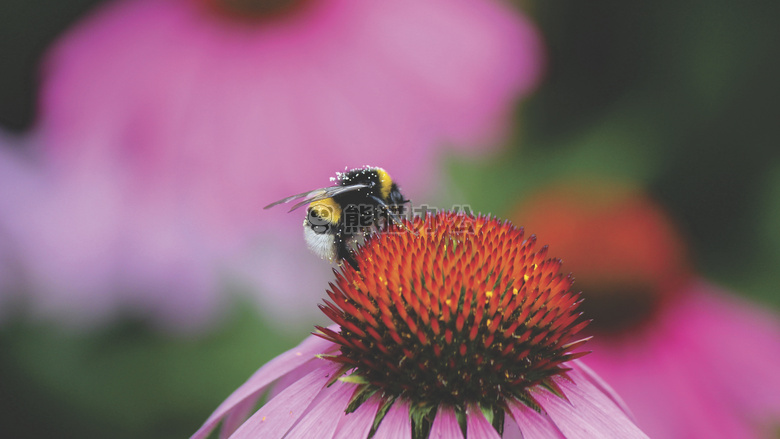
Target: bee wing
(291,197)
(328,192)
(316,195)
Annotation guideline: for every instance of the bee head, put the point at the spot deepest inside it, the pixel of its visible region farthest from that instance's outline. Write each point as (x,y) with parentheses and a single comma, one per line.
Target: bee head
(322,215)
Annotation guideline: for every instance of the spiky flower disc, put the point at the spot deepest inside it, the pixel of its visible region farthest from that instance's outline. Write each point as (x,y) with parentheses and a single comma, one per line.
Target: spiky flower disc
(461,310)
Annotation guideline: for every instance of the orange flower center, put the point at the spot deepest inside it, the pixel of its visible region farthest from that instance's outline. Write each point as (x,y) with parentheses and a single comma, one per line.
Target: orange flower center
(458,310)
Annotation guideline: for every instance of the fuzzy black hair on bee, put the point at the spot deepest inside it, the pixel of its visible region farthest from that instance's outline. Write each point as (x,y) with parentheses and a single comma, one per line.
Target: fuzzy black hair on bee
(363,201)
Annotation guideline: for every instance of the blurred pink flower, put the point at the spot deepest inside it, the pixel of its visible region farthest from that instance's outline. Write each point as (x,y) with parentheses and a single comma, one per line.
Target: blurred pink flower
(13,177)
(79,250)
(462,329)
(166,125)
(690,360)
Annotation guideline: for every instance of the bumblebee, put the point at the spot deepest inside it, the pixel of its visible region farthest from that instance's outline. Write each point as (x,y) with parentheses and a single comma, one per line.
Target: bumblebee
(362,202)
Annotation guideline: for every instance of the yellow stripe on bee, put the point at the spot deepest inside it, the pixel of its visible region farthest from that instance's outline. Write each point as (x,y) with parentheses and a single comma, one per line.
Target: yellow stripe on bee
(385,183)
(327,209)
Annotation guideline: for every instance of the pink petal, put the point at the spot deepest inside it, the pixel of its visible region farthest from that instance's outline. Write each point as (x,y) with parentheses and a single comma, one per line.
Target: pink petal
(533,425)
(692,402)
(603,387)
(237,415)
(358,423)
(588,413)
(511,430)
(327,411)
(276,417)
(266,375)
(663,393)
(739,342)
(397,423)
(706,368)
(445,425)
(477,427)
(292,377)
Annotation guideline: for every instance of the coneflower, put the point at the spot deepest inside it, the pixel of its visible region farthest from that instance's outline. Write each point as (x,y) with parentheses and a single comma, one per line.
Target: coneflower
(456,326)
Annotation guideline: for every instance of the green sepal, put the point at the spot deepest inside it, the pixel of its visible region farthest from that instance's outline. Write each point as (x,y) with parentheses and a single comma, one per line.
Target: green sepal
(498,420)
(461,416)
(553,387)
(380,415)
(361,395)
(354,379)
(530,402)
(422,419)
(495,416)
(487,413)
(339,373)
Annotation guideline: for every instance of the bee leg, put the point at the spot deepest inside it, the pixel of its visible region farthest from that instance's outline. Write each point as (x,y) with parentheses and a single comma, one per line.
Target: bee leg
(343,251)
(345,254)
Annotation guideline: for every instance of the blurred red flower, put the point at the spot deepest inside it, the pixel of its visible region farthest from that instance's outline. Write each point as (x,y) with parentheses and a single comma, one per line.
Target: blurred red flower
(689,359)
